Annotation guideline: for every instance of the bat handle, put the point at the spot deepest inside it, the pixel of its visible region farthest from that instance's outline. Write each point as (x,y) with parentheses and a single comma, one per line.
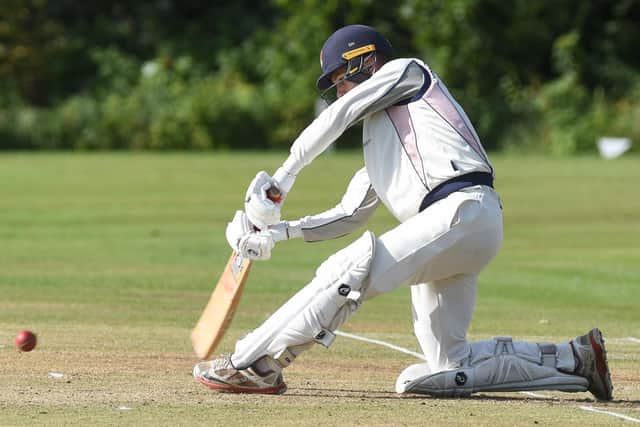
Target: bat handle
(274,194)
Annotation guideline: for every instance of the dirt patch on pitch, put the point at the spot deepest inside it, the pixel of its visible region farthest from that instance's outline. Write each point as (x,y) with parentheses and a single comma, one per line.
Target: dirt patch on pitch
(89,378)
(109,378)
(143,386)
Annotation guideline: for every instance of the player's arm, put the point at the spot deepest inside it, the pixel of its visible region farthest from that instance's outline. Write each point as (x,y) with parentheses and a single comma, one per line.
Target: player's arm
(396,81)
(358,203)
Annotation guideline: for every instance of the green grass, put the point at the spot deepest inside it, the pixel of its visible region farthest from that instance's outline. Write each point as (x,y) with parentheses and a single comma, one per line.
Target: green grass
(110,258)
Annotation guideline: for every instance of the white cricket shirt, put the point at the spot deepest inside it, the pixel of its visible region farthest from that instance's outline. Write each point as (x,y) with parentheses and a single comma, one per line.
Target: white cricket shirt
(415,137)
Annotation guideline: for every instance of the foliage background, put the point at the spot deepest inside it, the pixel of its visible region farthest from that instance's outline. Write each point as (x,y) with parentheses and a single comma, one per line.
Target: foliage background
(550,76)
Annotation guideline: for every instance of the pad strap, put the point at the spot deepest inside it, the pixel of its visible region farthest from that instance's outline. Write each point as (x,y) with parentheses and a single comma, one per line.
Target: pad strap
(504,345)
(284,358)
(325,337)
(548,354)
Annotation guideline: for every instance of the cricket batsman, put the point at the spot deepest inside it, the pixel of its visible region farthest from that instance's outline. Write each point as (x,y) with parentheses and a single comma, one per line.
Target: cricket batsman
(425,163)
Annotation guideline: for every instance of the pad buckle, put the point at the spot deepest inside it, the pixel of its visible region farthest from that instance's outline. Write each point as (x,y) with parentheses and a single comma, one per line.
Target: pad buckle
(325,338)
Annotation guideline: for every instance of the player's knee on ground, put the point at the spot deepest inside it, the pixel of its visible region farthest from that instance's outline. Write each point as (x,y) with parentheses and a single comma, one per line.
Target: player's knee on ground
(498,365)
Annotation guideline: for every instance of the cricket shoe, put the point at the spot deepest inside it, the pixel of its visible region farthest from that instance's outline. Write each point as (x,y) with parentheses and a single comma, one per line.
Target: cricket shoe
(220,374)
(591,363)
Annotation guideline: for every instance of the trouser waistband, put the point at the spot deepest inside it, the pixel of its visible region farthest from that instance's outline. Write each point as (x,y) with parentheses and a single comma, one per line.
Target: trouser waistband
(456,184)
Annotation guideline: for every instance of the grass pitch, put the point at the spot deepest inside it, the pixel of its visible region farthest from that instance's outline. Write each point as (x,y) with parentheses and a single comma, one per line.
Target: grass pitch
(110,258)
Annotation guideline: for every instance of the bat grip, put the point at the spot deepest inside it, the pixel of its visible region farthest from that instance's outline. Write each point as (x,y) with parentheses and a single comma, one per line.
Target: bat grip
(274,194)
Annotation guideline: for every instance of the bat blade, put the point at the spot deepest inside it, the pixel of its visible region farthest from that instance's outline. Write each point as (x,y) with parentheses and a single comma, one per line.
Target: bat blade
(218,313)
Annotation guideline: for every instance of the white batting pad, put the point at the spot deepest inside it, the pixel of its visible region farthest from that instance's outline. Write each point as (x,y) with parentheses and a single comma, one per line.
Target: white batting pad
(321,306)
(410,374)
(500,365)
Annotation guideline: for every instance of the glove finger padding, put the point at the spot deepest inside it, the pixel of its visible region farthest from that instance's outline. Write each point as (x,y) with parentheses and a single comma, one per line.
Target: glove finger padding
(260,210)
(256,246)
(236,229)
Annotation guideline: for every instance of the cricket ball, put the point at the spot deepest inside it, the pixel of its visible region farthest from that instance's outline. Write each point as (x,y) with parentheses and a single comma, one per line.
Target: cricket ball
(26,340)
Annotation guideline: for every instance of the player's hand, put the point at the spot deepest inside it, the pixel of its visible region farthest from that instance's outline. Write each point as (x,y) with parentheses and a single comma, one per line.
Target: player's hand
(261,210)
(252,243)
(237,229)
(256,245)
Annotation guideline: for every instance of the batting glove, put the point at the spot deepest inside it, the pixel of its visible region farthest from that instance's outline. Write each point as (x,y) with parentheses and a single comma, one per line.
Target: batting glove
(262,211)
(256,246)
(251,243)
(236,229)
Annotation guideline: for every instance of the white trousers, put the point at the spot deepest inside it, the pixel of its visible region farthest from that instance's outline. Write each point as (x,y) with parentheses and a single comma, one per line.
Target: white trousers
(440,253)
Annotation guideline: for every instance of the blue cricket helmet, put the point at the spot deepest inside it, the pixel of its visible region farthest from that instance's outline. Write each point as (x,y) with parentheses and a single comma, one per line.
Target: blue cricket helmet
(346,44)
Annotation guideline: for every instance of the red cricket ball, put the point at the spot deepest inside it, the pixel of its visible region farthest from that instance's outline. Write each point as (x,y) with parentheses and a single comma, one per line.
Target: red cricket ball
(26,340)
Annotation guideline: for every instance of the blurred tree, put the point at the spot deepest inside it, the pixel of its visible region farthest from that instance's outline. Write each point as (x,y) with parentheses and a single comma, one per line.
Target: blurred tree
(48,47)
(523,70)
(488,52)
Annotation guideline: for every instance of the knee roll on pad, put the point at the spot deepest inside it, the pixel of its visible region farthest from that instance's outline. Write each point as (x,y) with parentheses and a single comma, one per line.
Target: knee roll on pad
(498,365)
(339,283)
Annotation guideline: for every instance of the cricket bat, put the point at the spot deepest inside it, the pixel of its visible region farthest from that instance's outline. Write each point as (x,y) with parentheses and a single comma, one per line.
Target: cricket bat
(218,313)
